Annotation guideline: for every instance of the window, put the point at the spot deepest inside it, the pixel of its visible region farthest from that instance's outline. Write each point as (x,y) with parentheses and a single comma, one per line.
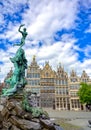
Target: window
(75,86)
(33,82)
(73,94)
(73,80)
(62,82)
(75,103)
(47,74)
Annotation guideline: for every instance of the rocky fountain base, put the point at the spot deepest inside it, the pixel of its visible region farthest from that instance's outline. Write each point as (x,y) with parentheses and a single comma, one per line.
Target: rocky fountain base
(16,116)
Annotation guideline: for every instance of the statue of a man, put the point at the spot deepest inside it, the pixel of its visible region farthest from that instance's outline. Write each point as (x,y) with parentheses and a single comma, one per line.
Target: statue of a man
(24,34)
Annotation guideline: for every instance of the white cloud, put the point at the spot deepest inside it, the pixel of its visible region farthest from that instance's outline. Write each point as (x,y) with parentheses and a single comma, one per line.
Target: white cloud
(87,51)
(43,18)
(88,30)
(57,52)
(50,16)
(10,7)
(63,52)
(1,19)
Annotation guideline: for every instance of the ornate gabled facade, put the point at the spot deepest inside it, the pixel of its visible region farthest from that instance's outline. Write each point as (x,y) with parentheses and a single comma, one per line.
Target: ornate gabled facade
(74,85)
(62,90)
(47,84)
(84,77)
(33,79)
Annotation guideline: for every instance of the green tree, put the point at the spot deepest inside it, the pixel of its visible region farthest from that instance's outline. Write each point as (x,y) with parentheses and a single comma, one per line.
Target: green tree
(84,93)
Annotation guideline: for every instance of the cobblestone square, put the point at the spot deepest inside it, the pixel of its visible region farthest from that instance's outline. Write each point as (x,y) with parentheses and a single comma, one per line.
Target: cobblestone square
(77,118)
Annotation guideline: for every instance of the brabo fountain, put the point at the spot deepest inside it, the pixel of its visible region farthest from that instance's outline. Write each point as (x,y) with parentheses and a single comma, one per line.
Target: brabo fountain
(18,112)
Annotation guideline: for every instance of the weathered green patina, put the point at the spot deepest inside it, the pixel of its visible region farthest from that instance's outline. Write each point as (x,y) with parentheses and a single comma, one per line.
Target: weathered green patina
(17,80)
(36,111)
(24,35)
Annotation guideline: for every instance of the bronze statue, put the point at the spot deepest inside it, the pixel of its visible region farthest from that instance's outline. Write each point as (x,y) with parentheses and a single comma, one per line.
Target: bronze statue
(17,80)
(24,35)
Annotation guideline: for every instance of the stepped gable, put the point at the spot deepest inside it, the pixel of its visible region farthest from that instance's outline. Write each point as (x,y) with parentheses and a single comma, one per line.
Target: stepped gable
(47,71)
(84,77)
(61,73)
(32,66)
(73,76)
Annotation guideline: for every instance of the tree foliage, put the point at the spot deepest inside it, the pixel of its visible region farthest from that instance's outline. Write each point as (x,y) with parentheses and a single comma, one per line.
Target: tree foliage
(84,93)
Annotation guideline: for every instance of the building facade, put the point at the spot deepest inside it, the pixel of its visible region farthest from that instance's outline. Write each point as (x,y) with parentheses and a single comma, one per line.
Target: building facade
(61,90)
(47,84)
(74,85)
(55,89)
(33,79)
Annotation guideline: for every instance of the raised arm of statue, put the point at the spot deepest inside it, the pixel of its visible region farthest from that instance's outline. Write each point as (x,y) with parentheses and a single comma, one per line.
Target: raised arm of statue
(20,28)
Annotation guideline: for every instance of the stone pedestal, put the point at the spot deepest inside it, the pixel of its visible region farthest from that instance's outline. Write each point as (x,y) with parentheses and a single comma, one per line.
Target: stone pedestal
(14,117)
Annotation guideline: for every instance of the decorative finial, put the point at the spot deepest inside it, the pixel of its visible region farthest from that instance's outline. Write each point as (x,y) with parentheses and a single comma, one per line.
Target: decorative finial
(34,57)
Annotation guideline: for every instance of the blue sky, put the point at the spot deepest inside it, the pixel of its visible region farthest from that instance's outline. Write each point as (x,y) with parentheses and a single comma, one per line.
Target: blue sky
(58,31)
